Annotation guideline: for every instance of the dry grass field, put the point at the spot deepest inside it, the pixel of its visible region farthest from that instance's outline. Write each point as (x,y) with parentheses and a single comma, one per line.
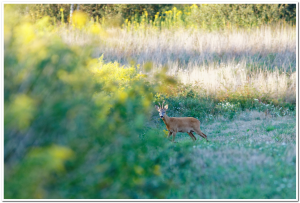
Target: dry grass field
(263,58)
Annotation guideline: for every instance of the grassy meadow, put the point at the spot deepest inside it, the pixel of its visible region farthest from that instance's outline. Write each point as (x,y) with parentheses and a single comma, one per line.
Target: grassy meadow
(79,97)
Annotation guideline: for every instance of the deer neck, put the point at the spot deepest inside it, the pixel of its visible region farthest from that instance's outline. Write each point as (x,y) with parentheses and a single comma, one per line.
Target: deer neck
(166,120)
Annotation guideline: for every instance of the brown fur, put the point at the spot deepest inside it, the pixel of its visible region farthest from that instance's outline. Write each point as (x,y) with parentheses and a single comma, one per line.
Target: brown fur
(181,124)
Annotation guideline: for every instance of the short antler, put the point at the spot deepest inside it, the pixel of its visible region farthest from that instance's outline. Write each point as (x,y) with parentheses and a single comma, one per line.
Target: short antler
(162,105)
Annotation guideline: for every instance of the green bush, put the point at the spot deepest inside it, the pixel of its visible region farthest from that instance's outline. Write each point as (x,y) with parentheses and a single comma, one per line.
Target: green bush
(216,16)
(96,11)
(206,16)
(74,128)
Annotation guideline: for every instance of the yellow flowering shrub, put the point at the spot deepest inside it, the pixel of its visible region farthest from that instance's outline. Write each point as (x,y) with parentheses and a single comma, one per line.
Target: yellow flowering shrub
(114,74)
(75,121)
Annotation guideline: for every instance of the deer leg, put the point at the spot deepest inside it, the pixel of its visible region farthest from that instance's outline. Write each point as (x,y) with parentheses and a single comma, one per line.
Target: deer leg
(199,132)
(174,134)
(170,133)
(192,136)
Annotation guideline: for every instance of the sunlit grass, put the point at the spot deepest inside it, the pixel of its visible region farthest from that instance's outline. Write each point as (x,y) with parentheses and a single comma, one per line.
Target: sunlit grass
(263,58)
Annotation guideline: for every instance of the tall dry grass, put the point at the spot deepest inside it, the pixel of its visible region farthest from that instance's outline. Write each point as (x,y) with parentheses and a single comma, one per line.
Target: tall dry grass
(264,46)
(233,77)
(263,58)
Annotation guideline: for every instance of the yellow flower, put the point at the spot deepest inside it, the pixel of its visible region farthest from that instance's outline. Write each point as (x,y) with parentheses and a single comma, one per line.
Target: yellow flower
(61,9)
(22,109)
(80,18)
(123,96)
(27,31)
(166,133)
(195,6)
(95,29)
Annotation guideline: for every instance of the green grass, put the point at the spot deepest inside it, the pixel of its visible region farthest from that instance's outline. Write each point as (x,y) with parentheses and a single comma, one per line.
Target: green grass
(242,160)
(270,128)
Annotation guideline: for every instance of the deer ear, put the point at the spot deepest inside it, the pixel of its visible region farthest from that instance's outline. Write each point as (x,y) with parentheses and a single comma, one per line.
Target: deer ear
(166,107)
(157,108)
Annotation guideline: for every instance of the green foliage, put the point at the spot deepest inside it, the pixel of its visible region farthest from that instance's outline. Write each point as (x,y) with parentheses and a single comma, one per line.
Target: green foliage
(95,11)
(34,172)
(37,11)
(187,100)
(71,121)
(205,16)
(216,16)
(227,109)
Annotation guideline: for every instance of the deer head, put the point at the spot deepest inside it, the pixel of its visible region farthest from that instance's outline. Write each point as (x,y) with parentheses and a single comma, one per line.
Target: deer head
(162,109)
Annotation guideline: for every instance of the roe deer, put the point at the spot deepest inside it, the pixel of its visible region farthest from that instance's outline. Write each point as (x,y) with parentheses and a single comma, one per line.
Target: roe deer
(180,124)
